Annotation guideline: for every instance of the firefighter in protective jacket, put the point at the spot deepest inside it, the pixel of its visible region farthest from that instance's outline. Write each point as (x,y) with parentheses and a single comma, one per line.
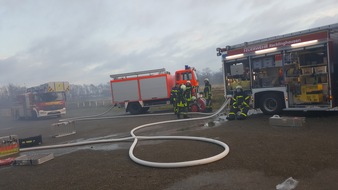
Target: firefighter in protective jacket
(182,104)
(189,92)
(207,95)
(239,105)
(173,96)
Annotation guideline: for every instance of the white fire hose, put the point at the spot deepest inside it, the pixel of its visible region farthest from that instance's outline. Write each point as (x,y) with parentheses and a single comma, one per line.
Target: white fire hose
(136,138)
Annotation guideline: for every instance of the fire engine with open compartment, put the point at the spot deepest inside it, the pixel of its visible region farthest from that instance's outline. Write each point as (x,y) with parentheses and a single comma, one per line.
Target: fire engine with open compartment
(296,71)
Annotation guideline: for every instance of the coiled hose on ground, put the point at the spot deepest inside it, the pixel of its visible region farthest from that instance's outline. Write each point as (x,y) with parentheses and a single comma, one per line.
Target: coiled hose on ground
(136,138)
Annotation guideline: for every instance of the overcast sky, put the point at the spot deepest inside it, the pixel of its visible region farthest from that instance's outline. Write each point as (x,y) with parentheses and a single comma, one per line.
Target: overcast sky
(85,41)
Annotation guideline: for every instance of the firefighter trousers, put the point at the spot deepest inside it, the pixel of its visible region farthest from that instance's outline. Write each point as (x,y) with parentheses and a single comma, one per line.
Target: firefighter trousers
(239,113)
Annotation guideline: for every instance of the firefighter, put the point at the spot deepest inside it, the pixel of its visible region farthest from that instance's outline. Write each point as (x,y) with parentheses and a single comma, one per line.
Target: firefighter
(173,96)
(181,100)
(189,92)
(239,105)
(207,95)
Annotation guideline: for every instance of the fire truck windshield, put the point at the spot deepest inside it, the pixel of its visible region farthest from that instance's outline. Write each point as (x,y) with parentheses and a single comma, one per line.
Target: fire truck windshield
(49,97)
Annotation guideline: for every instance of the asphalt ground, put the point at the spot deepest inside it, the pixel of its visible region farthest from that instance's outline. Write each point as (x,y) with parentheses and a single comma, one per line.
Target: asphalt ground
(261,156)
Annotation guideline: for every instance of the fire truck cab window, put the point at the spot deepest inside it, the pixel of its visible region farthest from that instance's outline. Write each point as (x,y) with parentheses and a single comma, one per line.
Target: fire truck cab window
(48,97)
(186,76)
(178,77)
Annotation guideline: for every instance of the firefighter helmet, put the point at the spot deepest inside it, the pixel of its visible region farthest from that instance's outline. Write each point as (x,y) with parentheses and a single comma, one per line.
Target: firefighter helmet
(188,82)
(239,89)
(206,79)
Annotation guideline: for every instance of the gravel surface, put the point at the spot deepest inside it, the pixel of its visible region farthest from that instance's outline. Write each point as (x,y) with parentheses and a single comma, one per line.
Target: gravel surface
(261,156)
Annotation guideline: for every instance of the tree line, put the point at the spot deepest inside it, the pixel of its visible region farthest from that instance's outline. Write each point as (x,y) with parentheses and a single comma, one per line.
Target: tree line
(9,92)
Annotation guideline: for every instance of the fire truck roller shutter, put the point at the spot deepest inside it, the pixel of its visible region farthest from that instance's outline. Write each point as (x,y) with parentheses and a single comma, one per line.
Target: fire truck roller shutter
(154,88)
(125,90)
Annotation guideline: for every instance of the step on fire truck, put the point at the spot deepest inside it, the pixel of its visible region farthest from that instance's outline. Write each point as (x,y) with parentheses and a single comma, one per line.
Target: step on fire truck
(45,100)
(296,71)
(137,91)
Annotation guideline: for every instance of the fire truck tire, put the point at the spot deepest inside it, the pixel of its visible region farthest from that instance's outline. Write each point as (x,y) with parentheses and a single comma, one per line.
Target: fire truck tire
(135,108)
(145,109)
(271,104)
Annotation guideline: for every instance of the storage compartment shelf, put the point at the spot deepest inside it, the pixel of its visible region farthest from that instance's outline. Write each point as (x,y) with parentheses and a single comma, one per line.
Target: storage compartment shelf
(315,65)
(306,75)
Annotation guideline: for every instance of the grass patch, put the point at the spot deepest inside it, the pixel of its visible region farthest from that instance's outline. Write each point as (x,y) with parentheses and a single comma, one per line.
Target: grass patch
(217,96)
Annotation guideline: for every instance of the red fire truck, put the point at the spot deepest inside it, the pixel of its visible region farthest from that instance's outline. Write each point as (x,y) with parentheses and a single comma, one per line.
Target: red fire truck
(296,71)
(137,91)
(45,100)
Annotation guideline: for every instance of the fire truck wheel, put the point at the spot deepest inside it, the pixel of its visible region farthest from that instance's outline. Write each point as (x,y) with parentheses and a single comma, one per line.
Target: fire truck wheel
(145,109)
(271,104)
(135,108)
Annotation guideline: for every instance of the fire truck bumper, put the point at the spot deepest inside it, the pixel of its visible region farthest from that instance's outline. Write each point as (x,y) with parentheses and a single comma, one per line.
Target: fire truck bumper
(43,113)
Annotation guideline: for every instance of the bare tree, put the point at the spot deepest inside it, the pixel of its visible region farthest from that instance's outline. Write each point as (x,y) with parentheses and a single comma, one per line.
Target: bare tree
(214,77)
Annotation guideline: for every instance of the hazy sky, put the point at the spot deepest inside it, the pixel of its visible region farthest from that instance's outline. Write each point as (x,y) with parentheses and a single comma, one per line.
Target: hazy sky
(85,41)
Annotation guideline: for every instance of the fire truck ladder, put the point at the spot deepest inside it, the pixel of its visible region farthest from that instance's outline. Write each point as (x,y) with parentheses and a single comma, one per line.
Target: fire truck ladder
(147,72)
